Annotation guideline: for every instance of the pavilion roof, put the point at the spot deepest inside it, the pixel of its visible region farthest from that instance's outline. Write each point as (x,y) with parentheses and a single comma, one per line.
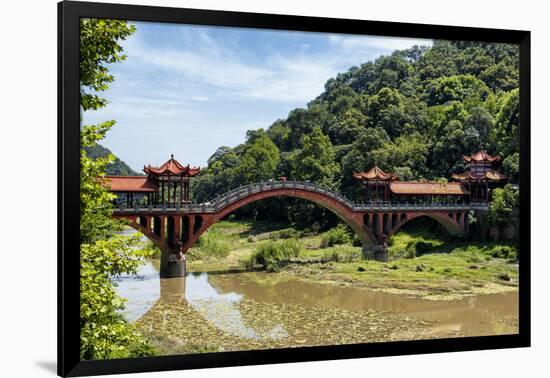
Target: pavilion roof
(490,175)
(375,173)
(428,188)
(481,156)
(172,168)
(136,184)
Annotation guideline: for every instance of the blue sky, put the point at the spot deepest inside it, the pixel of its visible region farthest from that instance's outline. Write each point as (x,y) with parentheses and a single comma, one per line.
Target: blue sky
(187,90)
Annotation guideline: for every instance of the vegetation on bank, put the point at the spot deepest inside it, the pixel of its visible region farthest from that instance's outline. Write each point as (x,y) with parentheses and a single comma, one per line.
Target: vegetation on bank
(422,260)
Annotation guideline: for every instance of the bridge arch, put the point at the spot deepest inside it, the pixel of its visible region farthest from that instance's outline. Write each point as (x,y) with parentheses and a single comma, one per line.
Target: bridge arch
(146,229)
(353,219)
(451,222)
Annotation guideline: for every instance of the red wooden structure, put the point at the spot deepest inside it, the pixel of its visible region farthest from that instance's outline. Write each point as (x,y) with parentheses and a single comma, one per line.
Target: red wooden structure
(176,224)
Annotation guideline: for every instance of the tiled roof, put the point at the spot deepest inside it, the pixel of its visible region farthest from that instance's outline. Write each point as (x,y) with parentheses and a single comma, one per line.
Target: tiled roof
(375,173)
(130,184)
(427,188)
(172,167)
(490,175)
(481,156)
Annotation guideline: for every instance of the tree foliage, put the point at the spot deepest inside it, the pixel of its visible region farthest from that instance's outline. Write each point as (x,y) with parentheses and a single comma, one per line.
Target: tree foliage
(99,47)
(315,161)
(504,208)
(103,255)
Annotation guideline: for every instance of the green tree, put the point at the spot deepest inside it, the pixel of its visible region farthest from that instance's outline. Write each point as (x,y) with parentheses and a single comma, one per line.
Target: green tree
(103,331)
(349,126)
(456,88)
(506,132)
(504,208)
(260,158)
(511,167)
(361,157)
(316,160)
(99,47)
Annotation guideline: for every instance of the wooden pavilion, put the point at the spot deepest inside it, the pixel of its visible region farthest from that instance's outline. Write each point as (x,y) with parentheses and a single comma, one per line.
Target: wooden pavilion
(165,184)
(481,176)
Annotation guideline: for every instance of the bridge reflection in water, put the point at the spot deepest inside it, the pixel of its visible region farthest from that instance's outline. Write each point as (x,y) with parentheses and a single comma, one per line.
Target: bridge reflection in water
(260,310)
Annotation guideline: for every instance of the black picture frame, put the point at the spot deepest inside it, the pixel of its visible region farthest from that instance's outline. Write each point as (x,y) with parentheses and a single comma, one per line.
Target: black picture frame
(70,12)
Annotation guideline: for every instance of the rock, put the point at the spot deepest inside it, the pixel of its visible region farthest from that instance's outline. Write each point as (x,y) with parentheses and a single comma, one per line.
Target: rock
(504,277)
(361,269)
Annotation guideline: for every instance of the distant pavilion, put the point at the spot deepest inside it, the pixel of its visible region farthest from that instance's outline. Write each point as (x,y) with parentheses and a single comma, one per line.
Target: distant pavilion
(377,184)
(166,184)
(480,176)
(382,186)
(474,185)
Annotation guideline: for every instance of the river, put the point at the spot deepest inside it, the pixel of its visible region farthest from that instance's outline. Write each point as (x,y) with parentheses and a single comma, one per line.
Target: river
(257,310)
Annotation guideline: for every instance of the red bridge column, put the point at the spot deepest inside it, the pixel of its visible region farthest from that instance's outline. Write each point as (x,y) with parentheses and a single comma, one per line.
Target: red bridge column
(177,229)
(162,219)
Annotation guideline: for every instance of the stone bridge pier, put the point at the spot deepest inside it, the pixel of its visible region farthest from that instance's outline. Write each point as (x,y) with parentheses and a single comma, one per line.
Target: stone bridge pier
(173,235)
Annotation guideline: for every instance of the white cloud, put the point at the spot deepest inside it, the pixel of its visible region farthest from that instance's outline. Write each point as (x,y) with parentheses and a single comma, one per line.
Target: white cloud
(200,98)
(211,90)
(386,43)
(227,69)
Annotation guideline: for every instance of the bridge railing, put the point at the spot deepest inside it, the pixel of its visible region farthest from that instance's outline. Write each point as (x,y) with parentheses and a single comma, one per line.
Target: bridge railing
(222,201)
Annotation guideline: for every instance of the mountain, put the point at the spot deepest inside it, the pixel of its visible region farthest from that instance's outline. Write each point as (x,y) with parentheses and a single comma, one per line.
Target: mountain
(117,168)
(414,112)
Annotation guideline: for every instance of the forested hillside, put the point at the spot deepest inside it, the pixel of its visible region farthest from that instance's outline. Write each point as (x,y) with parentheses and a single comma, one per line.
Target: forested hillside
(117,167)
(414,112)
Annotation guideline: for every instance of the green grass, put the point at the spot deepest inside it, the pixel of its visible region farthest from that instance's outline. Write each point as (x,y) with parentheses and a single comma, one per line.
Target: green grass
(410,244)
(269,254)
(466,269)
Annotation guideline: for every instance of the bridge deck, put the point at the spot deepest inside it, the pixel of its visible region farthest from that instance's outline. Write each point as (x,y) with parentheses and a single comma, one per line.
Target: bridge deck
(226,199)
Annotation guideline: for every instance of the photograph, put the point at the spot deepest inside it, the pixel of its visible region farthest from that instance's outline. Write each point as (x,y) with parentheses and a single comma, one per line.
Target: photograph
(247,189)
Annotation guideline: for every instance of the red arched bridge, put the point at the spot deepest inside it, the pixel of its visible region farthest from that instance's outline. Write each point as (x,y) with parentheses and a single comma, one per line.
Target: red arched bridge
(176,227)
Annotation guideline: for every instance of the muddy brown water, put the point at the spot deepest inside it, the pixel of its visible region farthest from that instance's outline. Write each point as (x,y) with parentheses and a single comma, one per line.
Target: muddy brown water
(250,310)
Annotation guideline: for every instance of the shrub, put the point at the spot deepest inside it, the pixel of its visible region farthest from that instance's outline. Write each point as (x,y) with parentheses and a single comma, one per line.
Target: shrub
(334,236)
(332,256)
(504,252)
(410,253)
(268,254)
(210,245)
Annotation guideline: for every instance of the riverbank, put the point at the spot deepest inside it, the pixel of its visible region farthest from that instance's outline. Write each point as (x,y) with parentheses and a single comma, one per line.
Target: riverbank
(421,264)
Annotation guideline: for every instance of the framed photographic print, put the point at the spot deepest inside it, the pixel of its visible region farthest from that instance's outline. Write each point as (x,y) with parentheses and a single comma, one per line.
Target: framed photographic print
(241,188)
